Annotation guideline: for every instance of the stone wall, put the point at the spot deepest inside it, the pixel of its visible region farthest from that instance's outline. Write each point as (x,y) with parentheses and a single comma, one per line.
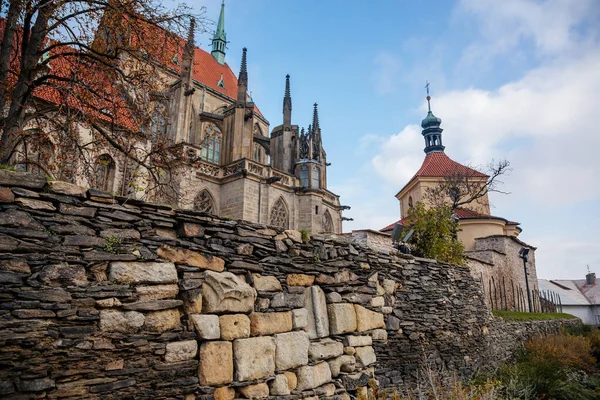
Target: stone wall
(107,297)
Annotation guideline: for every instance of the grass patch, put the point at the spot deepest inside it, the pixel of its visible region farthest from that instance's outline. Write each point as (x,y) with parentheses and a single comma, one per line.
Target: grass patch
(522,316)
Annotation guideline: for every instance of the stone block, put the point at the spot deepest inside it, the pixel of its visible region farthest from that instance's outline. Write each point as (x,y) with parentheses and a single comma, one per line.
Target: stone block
(292,380)
(21,179)
(377,301)
(207,326)
(342,318)
(300,280)
(325,391)
(367,319)
(318,321)
(35,204)
(299,318)
(257,391)
(254,358)
(126,234)
(266,283)
(224,393)
(161,321)
(153,305)
(379,335)
(181,351)
(263,324)
(365,355)
(245,249)
(190,230)
(192,301)
(345,363)
(312,376)
(109,303)
(294,235)
(291,350)
(142,272)
(288,300)
(68,189)
(355,341)
(225,292)
(216,363)
(156,292)
(279,386)
(122,322)
(333,297)
(325,349)
(389,286)
(234,326)
(191,258)
(6,195)
(64,274)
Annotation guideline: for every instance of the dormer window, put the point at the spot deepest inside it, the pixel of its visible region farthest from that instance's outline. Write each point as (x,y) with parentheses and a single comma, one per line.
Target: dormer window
(175,59)
(221,83)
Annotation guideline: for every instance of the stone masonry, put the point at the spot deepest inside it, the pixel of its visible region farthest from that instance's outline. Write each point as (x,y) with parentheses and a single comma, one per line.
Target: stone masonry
(106,297)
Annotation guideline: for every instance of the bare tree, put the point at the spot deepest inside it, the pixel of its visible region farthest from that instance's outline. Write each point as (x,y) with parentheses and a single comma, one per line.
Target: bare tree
(92,66)
(464,186)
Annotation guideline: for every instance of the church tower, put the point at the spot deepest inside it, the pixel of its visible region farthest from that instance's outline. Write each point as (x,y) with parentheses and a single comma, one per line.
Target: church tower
(284,138)
(219,40)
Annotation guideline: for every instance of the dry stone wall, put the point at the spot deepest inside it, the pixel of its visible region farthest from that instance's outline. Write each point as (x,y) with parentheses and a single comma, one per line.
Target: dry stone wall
(107,297)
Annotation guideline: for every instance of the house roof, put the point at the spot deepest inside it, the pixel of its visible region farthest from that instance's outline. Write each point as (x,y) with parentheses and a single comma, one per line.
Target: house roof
(572,292)
(438,165)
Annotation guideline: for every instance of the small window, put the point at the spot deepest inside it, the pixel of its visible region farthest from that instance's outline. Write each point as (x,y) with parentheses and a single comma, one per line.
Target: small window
(304,176)
(316,178)
(410,202)
(257,156)
(221,83)
(317,210)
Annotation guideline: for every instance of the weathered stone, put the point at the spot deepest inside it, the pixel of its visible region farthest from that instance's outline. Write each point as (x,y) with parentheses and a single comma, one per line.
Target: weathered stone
(333,297)
(234,326)
(300,280)
(393,323)
(327,390)
(387,310)
(224,393)
(367,319)
(292,380)
(35,385)
(6,195)
(354,381)
(63,274)
(377,301)
(153,305)
(291,350)
(216,363)
(192,301)
(288,300)
(190,230)
(120,233)
(365,355)
(88,212)
(83,241)
(254,358)
(225,292)
(245,249)
(108,303)
(35,204)
(280,247)
(325,349)
(156,292)
(266,283)
(207,326)
(48,295)
(21,179)
(312,376)
(18,265)
(355,341)
(389,286)
(318,321)
(115,365)
(345,363)
(263,324)
(19,219)
(123,322)
(142,272)
(66,188)
(279,386)
(181,351)
(379,335)
(345,276)
(299,318)
(191,258)
(342,318)
(25,193)
(257,391)
(160,321)
(33,313)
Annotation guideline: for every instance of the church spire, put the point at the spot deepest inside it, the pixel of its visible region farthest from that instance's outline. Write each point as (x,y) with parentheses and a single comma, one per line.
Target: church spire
(243,78)
(287,103)
(219,40)
(431,129)
(315,123)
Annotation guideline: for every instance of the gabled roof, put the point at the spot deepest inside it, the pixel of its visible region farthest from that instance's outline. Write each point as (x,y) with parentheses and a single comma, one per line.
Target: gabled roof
(438,165)
(572,292)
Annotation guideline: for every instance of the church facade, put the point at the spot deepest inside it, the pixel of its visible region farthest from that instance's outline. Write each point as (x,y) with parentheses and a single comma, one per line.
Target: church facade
(232,166)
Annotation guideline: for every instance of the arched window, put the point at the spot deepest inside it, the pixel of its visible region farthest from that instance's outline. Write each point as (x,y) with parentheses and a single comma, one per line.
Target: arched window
(304,176)
(257,130)
(327,222)
(204,202)
(105,173)
(316,178)
(258,151)
(279,214)
(211,143)
(410,202)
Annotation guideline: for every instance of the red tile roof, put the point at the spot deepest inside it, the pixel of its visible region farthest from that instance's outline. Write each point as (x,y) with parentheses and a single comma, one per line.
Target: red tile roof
(439,165)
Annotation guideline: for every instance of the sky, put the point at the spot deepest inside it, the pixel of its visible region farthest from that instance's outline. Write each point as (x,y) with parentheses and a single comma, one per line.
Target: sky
(512,79)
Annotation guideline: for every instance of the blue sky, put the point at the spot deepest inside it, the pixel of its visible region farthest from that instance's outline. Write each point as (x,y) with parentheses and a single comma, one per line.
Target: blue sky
(514,79)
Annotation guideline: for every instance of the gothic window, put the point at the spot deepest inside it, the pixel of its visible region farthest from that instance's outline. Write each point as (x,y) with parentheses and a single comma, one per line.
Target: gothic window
(304,176)
(316,178)
(159,121)
(257,153)
(211,145)
(257,130)
(279,214)
(204,202)
(105,173)
(327,222)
